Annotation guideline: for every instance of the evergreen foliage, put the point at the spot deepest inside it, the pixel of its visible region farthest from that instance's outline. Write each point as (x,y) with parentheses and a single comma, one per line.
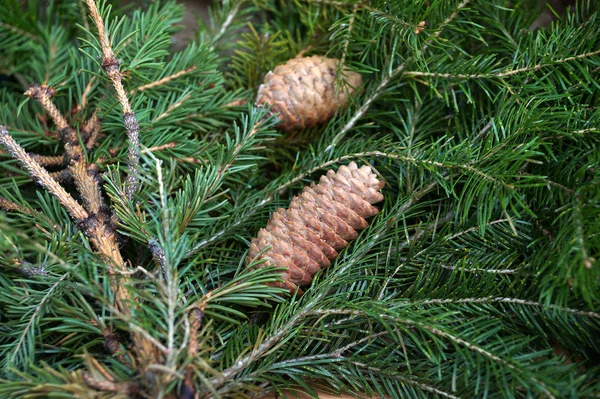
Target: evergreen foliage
(478,278)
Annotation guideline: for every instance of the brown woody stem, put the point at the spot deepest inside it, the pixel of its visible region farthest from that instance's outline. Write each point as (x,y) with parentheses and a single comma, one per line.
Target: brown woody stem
(42,177)
(111,67)
(84,175)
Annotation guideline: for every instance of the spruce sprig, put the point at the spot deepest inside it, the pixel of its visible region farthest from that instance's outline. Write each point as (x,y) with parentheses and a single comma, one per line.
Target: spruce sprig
(478,278)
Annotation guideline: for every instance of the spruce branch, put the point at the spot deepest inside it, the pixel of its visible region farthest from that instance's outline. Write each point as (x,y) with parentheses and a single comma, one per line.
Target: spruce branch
(42,177)
(233,11)
(94,222)
(387,79)
(49,160)
(33,318)
(518,301)
(111,66)
(10,206)
(448,334)
(83,175)
(30,270)
(173,107)
(476,265)
(503,73)
(262,349)
(164,80)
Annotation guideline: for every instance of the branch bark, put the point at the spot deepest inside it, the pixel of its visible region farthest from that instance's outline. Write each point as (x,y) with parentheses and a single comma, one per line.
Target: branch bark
(111,67)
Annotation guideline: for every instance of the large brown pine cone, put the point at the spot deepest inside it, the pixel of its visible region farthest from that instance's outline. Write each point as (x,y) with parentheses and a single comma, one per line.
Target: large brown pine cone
(303,93)
(319,222)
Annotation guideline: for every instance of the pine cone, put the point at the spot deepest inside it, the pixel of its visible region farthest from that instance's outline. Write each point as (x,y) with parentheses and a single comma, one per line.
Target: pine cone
(319,222)
(302,91)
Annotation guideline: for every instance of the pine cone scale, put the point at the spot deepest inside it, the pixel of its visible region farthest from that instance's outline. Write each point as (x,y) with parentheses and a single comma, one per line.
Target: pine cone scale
(321,220)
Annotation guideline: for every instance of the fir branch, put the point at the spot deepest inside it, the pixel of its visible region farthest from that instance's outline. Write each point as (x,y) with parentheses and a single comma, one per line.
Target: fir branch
(111,66)
(485,353)
(173,106)
(518,301)
(19,31)
(501,74)
(447,334)
(42,177)
(387,79)
(10,206)
(461,268)
(82,173)
(164,80)
(49,160)
(33,318)
(223,29)
(404,380)
(347,39)
(260,350)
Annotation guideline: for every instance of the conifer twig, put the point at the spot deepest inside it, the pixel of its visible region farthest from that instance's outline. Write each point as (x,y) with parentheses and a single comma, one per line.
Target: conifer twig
(83,174)
(501,74)
(42,177)
(188,390)
(129,388)
(260,350)
(387,79)
(10,206)
(49,160)
(164,80)
(111,67)
(30,270)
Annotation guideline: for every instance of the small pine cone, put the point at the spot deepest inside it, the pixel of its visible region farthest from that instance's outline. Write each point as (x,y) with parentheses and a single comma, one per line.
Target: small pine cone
(319,222)
(302,91)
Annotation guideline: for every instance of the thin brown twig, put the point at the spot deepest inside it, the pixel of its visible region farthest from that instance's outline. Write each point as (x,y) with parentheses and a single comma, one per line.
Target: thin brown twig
(10,206)
(128,388)
(91,130)
(501,74)
(62,176)
(86,93)
(42,177)
(172,107)
(111,67)
(49,160)
(164,80)
(172,144)
(43,94)
(188,390)
(83,174)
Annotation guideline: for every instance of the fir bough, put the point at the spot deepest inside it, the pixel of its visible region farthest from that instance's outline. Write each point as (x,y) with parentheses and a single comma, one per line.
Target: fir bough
(123,268)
